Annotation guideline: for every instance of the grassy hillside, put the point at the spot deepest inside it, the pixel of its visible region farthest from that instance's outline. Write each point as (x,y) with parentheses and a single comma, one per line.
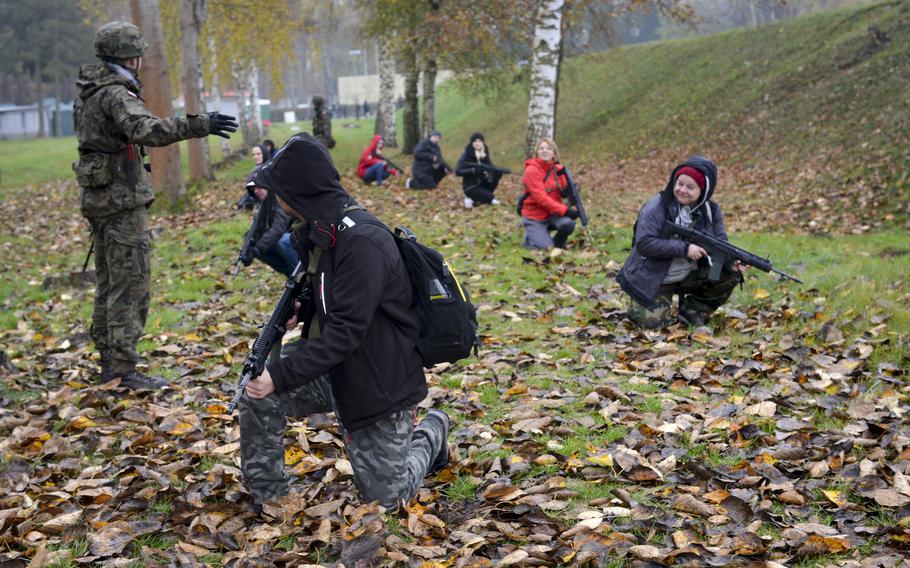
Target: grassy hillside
(798,108)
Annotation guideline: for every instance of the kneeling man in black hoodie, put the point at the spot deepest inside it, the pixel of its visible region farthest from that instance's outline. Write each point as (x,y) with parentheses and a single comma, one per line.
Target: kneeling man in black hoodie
(357,356)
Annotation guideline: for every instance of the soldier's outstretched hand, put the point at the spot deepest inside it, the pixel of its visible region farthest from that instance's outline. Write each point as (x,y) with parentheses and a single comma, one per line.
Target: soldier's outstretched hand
(221,124)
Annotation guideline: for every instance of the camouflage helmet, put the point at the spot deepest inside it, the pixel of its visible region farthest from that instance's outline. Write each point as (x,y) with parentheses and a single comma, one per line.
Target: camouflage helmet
(119,40)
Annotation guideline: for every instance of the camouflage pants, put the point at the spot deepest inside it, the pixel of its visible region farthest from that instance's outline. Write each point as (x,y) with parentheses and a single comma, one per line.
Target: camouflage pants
(123,274)
(696,293)
(390,457)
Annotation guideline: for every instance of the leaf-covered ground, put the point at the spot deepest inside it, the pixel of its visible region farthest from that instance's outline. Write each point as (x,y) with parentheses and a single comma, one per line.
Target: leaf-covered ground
(777,436)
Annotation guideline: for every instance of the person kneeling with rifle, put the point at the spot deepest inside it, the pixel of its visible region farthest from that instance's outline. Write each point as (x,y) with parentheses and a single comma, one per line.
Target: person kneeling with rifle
(358,353)
(479,177)
(661,264)
(269,237)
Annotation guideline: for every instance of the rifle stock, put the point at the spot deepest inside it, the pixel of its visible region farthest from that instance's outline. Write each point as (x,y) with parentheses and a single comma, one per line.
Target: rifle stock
(294,288)
(721,253)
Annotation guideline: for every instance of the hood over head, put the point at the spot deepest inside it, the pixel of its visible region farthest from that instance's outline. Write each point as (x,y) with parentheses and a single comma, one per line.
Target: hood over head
(95,76)
(374,141)
(705,166)
(302,174)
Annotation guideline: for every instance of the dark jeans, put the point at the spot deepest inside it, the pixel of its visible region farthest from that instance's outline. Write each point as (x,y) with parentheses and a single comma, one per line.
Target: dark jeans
(281,256)
(483,192)
(376,172)
(424,183)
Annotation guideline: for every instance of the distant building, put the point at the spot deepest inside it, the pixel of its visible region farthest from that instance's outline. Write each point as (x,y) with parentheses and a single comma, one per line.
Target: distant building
(21,121)
(355,89)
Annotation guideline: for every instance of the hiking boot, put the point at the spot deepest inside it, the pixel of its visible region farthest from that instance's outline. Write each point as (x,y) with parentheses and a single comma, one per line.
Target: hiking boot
(690,317)
(468,203)
(134,380)
(442,458)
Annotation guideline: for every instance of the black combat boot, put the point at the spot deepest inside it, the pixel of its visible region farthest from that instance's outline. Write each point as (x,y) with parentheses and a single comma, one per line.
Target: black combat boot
(134,380)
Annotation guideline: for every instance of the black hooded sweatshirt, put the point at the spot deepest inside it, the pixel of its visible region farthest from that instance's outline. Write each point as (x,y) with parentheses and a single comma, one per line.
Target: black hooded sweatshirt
(361,294)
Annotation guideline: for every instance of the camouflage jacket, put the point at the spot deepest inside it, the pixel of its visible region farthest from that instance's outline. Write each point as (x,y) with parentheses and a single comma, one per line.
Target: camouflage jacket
(112,125)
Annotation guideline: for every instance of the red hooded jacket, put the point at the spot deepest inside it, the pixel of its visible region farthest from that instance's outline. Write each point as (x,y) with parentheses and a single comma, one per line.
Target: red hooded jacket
(543,199)
(369,157)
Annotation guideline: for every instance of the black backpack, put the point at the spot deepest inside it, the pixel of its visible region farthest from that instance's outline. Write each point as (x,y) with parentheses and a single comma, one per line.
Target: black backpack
(448,320)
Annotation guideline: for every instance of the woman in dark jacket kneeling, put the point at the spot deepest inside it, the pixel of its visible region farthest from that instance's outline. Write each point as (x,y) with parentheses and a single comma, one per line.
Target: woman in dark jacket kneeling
(661,264)
(478,182)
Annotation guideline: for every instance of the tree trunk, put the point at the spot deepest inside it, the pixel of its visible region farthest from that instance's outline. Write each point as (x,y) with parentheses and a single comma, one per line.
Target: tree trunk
(428,120)
(243,116)
(411,102)
(385,115)
(42,119)
(547,48)
(58,124)
(192,16)
(166,172)
(216,98)
(258,131)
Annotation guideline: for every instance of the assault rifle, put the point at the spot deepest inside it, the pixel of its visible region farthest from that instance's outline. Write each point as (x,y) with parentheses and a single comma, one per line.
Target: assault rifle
(575,196)
(491,169)
(721,252)
(393,165)
(295,289)
(248,243)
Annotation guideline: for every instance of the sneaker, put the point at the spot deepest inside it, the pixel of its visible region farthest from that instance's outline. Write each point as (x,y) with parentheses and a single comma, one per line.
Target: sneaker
(495,202)
(134,380)
(691,317)
(468,202)
(442,458)
(407,183)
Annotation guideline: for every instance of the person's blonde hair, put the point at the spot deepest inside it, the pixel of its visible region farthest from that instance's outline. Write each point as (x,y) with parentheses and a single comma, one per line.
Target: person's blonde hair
(552,144)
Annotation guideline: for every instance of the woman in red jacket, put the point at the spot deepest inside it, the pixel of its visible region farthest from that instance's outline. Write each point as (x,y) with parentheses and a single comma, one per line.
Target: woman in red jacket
(541,207)
(373,167)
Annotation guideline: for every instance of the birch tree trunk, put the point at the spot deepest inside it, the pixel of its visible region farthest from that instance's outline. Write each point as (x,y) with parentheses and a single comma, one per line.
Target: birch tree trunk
(240,76)
(547,48)
(428,121)
(258,132)
(216,98)
(192,16)
(385,116)
(166,173)
(411,102)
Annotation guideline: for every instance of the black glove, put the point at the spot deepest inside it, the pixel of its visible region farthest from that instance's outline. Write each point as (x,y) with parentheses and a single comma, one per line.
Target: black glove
(247,256)
(572,213)
(220,124)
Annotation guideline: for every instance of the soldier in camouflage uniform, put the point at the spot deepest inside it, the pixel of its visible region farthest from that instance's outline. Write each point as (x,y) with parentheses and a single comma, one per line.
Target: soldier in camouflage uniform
(322,123)
(113,125)
(358,356)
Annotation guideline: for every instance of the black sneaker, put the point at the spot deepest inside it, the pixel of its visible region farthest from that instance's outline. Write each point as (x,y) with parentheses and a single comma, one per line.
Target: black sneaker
(690,317)
(134,380)
(442,458)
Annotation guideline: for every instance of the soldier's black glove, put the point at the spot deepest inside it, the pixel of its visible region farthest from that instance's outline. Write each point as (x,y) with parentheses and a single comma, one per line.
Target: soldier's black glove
(221,124)
(248,256)
(572,213)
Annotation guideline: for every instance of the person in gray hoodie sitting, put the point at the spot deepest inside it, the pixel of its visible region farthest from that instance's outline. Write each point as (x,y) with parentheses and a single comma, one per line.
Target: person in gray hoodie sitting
(661,265)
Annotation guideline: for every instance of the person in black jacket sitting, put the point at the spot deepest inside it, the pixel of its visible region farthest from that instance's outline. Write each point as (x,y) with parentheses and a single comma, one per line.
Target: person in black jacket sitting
(429,166)
(478,184)
(271,236)
(358,350)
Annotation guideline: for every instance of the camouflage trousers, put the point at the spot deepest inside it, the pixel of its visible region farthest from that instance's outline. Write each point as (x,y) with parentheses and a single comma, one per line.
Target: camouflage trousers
(123,275)
(696,294)
(389,458)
